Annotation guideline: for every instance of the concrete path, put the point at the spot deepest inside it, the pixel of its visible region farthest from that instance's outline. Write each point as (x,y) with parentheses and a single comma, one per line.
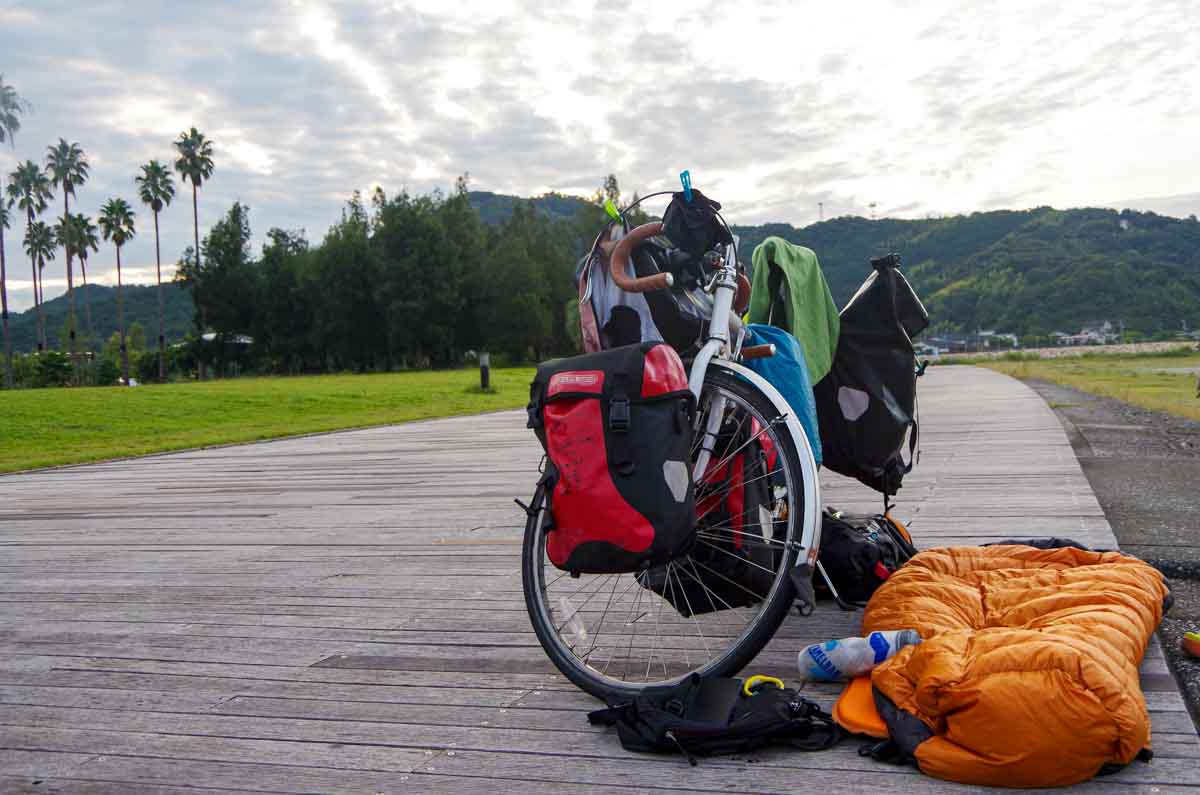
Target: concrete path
(342,613)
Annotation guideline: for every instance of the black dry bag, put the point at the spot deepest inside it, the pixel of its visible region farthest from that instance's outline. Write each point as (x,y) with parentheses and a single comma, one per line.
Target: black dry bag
(866,404)
(617,430)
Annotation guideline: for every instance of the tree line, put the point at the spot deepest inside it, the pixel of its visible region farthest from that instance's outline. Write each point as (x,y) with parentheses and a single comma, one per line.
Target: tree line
(401,281)
(31,189)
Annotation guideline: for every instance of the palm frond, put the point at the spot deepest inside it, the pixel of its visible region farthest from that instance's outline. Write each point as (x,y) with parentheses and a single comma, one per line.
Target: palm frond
(117,221)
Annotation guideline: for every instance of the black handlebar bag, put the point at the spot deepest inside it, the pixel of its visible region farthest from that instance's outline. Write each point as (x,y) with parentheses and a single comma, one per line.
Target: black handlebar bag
(617,430)
(682,312)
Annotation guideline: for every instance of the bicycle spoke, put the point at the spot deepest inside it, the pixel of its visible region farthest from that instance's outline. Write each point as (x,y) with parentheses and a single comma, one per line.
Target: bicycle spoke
(600,624)
(688,602)
(710,593)
(726,488)
(738,557)
(654,640)
(671,588)
(577,610)
(721,576)
(636,617)
(747,539)
(746,443)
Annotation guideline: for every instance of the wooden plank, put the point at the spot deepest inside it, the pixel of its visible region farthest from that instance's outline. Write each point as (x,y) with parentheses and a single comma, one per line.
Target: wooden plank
(336,613)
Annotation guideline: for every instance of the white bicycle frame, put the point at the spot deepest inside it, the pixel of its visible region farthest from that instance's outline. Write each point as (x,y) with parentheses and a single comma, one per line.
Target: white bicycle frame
(720,350)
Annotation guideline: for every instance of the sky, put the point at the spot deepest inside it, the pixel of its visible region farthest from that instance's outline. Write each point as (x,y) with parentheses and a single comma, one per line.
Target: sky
(902,108)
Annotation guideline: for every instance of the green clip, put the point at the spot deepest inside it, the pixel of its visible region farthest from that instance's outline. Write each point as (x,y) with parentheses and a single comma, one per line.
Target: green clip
(611,209)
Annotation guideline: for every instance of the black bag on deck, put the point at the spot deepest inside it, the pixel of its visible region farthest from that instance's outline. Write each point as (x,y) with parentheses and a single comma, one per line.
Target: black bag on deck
(866,404)
(617,430)
(706,717)
(859,553)
(738,541)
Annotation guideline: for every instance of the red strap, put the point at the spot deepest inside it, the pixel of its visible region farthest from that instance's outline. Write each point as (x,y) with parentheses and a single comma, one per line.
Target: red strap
(881,571)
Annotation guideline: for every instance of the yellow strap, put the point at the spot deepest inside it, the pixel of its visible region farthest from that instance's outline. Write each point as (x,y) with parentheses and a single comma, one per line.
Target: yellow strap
(758,679)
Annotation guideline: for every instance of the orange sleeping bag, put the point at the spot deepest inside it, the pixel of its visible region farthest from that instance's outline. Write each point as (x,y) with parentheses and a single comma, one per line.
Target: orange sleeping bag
(1028,674)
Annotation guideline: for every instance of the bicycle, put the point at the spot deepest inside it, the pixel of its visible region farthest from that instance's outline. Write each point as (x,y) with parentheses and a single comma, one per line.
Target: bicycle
(609,633)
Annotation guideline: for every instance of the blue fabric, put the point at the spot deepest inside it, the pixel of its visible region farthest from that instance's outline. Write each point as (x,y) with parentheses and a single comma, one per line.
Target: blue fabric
(787,372)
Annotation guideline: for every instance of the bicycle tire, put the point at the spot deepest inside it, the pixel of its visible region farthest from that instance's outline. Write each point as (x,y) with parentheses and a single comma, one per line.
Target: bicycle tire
(771,612)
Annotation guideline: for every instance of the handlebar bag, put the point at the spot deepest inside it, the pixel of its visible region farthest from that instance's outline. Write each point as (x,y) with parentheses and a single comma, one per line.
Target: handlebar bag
(617,430)
(682,312)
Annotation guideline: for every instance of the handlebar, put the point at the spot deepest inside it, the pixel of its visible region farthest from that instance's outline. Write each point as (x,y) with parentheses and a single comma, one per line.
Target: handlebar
(620,262)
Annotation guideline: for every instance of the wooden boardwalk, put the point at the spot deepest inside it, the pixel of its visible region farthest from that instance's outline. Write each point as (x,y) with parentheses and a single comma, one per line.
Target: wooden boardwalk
(342,613)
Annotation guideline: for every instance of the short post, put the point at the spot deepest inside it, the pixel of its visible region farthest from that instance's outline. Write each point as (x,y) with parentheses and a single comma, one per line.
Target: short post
(485,371)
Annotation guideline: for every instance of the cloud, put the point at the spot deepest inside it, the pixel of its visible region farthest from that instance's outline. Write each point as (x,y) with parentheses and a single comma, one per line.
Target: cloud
(774,107)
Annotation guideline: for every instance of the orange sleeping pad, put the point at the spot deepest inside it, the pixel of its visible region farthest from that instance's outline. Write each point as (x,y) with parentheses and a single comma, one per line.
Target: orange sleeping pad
(1028,674)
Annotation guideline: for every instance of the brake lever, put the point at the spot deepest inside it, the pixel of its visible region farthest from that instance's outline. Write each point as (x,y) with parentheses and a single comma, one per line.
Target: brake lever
(714,263)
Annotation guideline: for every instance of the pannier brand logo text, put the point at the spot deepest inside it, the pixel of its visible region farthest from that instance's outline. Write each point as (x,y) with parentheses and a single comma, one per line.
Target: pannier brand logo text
(578,379)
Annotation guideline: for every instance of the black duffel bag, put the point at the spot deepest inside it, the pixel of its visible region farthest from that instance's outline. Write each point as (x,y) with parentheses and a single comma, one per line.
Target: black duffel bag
(617,430)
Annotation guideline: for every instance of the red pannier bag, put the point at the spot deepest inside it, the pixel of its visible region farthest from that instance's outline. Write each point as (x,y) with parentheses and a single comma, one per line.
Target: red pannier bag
(616,426)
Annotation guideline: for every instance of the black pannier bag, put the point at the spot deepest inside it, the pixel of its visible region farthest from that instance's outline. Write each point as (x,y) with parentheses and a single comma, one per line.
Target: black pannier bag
(739,543)
(866,404)
(617,429)
(859,553)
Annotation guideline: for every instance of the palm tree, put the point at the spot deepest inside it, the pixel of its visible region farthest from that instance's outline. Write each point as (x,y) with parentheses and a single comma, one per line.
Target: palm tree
(12,107)
(68,170)
(116,221)
(78,237)
(29,188)
(8,357)
(40,245)
(194,165)
(156,189)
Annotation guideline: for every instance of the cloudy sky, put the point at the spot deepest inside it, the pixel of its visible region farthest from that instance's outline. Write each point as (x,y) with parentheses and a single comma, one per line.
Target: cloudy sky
(915,107)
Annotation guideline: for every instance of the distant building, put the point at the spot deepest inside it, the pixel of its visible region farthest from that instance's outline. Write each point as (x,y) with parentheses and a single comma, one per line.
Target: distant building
(1094,332)
(955,342)
(230,339)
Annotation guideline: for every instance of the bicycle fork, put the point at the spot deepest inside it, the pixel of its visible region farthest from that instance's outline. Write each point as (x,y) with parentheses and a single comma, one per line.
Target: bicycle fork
(723,285)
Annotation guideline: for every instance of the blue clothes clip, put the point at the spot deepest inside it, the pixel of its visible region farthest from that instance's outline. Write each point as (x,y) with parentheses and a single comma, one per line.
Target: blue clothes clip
(686,178)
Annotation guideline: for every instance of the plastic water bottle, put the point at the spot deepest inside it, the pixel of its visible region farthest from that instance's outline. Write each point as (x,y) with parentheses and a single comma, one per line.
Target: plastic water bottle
(851,657)
(574,626)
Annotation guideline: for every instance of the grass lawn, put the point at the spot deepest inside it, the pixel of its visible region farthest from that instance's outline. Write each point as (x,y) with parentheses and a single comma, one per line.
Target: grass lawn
(46,427)
(1159,382)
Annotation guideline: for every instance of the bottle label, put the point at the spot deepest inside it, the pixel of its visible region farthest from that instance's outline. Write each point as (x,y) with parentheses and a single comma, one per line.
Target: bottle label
(824,665)
(880,645)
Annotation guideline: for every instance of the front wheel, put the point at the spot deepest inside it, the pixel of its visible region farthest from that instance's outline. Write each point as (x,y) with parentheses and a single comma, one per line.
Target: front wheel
(712,610)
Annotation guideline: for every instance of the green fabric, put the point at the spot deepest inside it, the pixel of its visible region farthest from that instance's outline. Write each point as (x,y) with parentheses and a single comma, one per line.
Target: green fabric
(808,310)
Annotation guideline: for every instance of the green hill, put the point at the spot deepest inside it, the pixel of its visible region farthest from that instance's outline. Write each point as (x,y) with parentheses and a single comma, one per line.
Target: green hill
(141,306)
(1021,271)
(1027,272)
(495,208)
